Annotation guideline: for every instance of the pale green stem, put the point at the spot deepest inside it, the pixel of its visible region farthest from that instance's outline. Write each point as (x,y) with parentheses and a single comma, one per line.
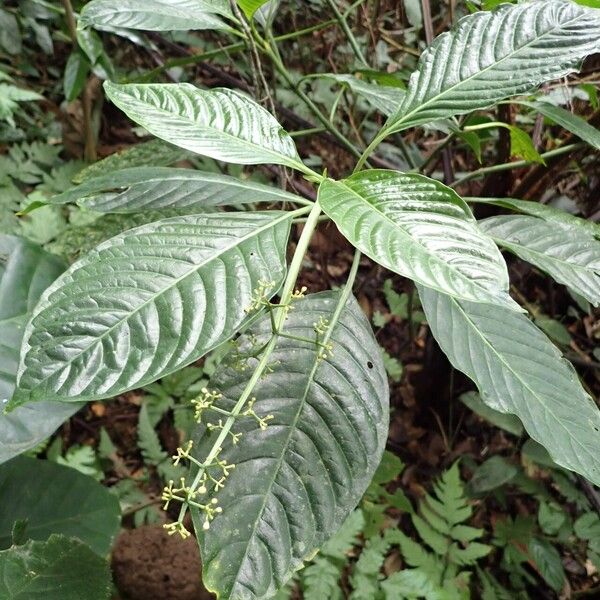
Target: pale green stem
(348,33)
(229,49)
(518,164)
(286,295)
(270,49)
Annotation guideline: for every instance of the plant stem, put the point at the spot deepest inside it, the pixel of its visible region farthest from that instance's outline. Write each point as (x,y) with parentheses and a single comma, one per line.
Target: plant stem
(310,131)
(362,159)
(270,50)
(286,295)
(229,49)
(89,152)
(518,164)
(343,23)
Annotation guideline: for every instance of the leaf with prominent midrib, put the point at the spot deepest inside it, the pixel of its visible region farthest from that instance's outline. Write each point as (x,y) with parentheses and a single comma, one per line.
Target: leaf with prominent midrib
(159,188)
(490,56)
(577,225)
(295,483)
(572,260)
(147,303)
(220,123)
(25,272)
(56,499)
(57,569)
(155,15)
(519,371)
(418,228)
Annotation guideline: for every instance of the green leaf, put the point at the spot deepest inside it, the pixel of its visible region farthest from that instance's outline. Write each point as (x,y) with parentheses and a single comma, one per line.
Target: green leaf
(438,542)
(571,122)
(519,371)
(490,56)
(397,303)
(554,329)
(57,569)
(321,580)
(508,422)
(416,556)
(75,75)
(389,468)
(521,146)
(551,517)
(469,555)
(155,153)
(148,302)
(294,483)
(393,367)
(250,6)
(148,441)
(155,15)
(572,260)
(587,527)
(345,538)
(492,474)
(548,562)
(25,272)
(418,228)
(220,123)
(543,211)
(385,98)
(412,583)
(56,499)
(141,189)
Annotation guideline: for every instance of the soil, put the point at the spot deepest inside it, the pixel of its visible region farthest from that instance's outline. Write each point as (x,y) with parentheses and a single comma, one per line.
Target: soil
(149,564)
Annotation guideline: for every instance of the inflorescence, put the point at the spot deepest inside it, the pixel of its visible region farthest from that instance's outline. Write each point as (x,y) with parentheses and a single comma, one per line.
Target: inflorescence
(212,474)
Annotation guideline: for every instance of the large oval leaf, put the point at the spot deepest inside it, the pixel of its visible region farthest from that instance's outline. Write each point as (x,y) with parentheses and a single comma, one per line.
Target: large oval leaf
(573,260)
(57,569)
(519,371)
(220,123)
(155,15)
(148,302)
(159,188)
(296,482)
(419,228)
(56,499)
(25,272)
(490,56)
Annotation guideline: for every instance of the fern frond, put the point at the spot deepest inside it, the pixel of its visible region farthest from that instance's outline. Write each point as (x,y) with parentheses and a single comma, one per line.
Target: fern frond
(321,580)
(148,441)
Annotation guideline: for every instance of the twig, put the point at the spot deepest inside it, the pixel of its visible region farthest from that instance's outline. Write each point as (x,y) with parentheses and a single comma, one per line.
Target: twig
(343,23)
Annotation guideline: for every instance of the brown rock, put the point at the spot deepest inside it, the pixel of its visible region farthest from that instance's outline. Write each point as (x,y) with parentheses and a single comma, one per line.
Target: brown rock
(148,564)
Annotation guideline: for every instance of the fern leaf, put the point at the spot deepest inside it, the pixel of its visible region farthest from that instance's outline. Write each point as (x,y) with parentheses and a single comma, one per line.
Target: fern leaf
(321,580)
(436,541)
(411,583)
(450,493)
(437,521)
(343,541)
(148,441)
(469,555)
(463,533)
(416,556)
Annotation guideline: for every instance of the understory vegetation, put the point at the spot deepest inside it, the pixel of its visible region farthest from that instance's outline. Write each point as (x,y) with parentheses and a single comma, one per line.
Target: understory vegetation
(298,300)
